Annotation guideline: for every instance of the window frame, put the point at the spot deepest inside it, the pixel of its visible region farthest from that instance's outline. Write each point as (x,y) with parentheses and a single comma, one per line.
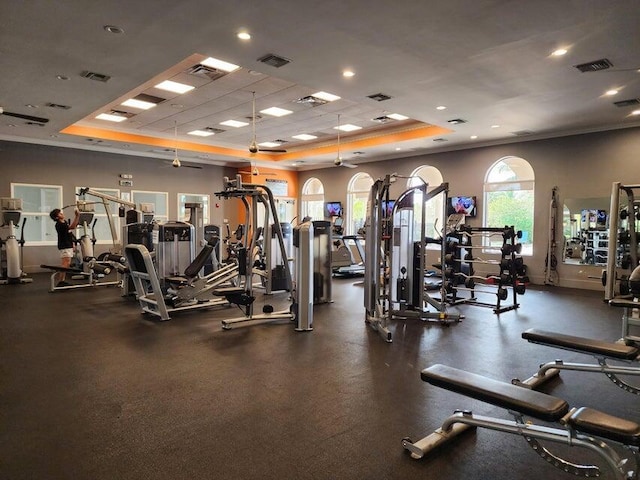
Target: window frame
(44,212)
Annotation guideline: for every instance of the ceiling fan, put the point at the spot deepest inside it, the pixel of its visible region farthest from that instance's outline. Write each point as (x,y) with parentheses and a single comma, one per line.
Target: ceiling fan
(29,118)
(255,172)
(338,162)
(177,163)
(253,146)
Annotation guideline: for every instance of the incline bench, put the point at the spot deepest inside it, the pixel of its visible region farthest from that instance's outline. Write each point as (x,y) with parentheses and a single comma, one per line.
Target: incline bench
(602,351)
(583,427)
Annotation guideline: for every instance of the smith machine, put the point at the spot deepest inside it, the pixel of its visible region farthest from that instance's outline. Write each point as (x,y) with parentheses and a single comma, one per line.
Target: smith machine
(395,270)
(301,309)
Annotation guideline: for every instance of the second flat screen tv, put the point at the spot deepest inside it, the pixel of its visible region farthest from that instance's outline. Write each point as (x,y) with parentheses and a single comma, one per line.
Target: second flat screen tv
(462,204)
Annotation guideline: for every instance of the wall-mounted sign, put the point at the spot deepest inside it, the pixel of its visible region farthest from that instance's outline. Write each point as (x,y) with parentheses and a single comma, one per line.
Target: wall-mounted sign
(278,187)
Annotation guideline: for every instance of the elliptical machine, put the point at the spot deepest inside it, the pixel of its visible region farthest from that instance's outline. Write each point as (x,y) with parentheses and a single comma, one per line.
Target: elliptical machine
(11,265)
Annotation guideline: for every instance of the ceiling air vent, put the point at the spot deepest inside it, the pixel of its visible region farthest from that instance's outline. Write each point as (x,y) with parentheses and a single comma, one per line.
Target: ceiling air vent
(34,124)
(627,103)
(440,139)
(98,77)
(381,119)
(522,133)
(57,105)
(379,97)
(122,113)
(214,130)
(311,100)
(456,121)
(594,66)
(274,60)
(204,71)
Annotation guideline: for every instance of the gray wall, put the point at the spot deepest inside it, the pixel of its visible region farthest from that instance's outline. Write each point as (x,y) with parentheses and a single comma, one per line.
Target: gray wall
(38,164)
(580,166)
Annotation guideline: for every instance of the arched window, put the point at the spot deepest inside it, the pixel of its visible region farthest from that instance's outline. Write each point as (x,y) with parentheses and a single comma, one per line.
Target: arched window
(357,197)
(312,199)
(509,199)
(434,208)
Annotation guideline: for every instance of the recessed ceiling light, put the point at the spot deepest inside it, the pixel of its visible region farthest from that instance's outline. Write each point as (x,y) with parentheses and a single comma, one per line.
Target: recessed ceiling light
(177,105)
(244,35)
(473,137)
(495,126)
(635,112)
(141,104)
(398,149)
(276,111)
(219,64)
(611,92)
(348,73)
(441,107)
(269,144)
(113,29)
(329,97)
(559,52)
(174,87)
(201,133)
(305,136)
(234,123)
(62,77)
(31,105)
(53,135)
(397,116)
(111,118)
(347,127)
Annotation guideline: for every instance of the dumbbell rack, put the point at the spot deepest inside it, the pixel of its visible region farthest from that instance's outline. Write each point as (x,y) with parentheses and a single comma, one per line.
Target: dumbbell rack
(512,274)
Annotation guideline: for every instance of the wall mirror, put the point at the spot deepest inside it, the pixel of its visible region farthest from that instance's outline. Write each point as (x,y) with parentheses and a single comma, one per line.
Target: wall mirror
(585,223)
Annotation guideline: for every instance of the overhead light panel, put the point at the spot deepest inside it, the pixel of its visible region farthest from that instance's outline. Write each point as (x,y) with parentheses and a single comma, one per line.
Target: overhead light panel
(276,111)
(143,101)
(347,127)
(329,97)
(269,144)
(397,116)
(219,64)
(174,87)
(201,133)
(304,136)
(234,123)
(111,117)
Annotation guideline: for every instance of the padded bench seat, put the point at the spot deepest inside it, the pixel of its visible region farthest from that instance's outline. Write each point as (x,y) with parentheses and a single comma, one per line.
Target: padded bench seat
(58,268)
(590,421)
(224,291)
(597,347)
(501,394)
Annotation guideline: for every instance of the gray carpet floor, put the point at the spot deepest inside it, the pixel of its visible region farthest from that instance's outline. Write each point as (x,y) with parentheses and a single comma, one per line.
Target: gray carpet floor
(92,389)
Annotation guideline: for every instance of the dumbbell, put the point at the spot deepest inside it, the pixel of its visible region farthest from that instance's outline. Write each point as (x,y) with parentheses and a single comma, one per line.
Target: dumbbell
(505,264)
(502,293)
(520,288)
(469,282)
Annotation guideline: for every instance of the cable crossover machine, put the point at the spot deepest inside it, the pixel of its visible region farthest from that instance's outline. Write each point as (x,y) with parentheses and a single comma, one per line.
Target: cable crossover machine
(301,291)
(395,270)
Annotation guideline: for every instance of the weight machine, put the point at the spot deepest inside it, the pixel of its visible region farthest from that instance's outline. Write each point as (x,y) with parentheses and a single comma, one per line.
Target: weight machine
(622,255)
(301,309)
(390,272)
(11,258)
(85,267)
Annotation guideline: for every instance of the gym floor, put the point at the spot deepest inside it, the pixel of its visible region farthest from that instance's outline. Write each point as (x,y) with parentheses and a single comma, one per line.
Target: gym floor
(92,389)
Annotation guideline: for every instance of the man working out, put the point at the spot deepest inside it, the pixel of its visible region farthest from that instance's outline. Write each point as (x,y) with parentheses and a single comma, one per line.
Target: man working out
(65,240)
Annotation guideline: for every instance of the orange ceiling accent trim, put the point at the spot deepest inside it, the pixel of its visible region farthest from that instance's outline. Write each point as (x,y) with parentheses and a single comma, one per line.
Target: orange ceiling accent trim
(357,143)
(401,136)
(124,137)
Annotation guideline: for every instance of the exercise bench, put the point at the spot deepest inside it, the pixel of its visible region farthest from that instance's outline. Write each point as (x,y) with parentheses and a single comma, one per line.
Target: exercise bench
(581,427)
(602,351)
